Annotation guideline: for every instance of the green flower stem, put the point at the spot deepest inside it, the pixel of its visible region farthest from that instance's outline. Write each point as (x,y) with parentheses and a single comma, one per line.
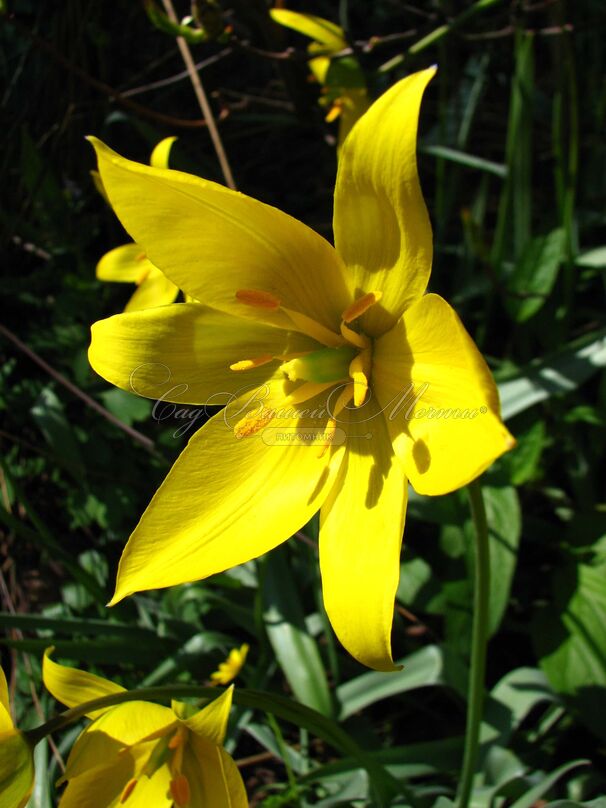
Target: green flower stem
(479,641)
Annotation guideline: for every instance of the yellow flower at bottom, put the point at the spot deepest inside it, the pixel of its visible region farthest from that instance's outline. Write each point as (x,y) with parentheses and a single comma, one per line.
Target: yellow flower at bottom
(232,666)
(16,758)
(342,379)
(144,755)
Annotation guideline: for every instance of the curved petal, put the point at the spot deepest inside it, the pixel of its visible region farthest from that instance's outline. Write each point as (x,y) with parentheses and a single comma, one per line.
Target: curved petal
(316,28)
(211,721)
(125,725)
(439,398)
(155,290)
(212,242)
(16,769)
(228,499)
(161,153)
(213,777)
(382,230)
(182,353)
(71,686)
(361,525)
(125,264)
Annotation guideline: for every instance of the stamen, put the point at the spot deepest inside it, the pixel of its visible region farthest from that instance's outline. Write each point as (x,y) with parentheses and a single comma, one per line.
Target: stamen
(180,791)
(313,329)
(258,299)
(358,370)
(345,396)
(247,364)
(128,790)
(360,340)
(142,275)
(359,306)
(252,423)
(334,112)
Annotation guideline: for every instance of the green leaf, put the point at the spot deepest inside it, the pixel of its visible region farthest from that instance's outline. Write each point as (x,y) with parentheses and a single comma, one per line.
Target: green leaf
(504,530)
(49,415)
(559,373)
(295,650)
(423,668)
(535,274)
(546,784)
(126,406)
(592,258)
(467,160)
(570,638)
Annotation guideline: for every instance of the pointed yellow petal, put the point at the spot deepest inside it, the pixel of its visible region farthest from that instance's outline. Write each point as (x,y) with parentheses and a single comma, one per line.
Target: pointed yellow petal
(16,770)
(439,398)
(125,264)
(161,153)
(211,241)
(213,777)
(211,721)
(227,500)
(71,686)
(361,526)
(155,290)
(316,28)
(382,229)
(183,353)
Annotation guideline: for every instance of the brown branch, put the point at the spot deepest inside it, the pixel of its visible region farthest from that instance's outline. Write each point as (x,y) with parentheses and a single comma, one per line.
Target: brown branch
(111,92)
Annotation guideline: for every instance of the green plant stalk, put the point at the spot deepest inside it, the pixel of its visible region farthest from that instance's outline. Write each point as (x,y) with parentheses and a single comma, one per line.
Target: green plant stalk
(479,641)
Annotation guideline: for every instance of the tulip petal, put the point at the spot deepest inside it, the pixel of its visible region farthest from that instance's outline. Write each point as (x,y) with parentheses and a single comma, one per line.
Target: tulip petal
(212,242)
(361,527)
(124,725)
(101,786)
(161,153)
(124,264)
(6,722)
(439,398)
(382,230)
(16,770)
(72,687)
(211,721)
(213,777)
(182,353)
(316,28)
(155,290)
(229,499)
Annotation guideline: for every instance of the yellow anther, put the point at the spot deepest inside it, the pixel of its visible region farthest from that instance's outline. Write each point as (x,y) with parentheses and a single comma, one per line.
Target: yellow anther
(128,790)
(359,306)
(258,299)
(358,370)
(180,791)
(334,112)
(253,423)
(247,364)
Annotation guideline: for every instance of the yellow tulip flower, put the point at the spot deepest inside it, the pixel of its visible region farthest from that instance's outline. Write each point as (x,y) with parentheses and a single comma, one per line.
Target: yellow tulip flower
(232,666)
(342,379)
(16,757)
(129,264)
(342,79)
(141,754)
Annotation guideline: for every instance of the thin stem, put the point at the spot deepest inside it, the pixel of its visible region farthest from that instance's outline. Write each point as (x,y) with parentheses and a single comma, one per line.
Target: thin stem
(479,641)
(202,100)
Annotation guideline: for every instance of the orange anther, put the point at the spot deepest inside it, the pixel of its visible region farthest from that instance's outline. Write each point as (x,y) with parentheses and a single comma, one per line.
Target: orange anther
(180,791)
(258,299)
(128,790)
(359,306)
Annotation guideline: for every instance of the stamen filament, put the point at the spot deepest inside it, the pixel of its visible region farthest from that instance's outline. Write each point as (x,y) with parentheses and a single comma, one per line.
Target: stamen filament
(313,329)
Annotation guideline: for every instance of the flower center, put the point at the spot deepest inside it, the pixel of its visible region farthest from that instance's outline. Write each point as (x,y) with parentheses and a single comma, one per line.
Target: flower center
(167,751)
(345,357)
